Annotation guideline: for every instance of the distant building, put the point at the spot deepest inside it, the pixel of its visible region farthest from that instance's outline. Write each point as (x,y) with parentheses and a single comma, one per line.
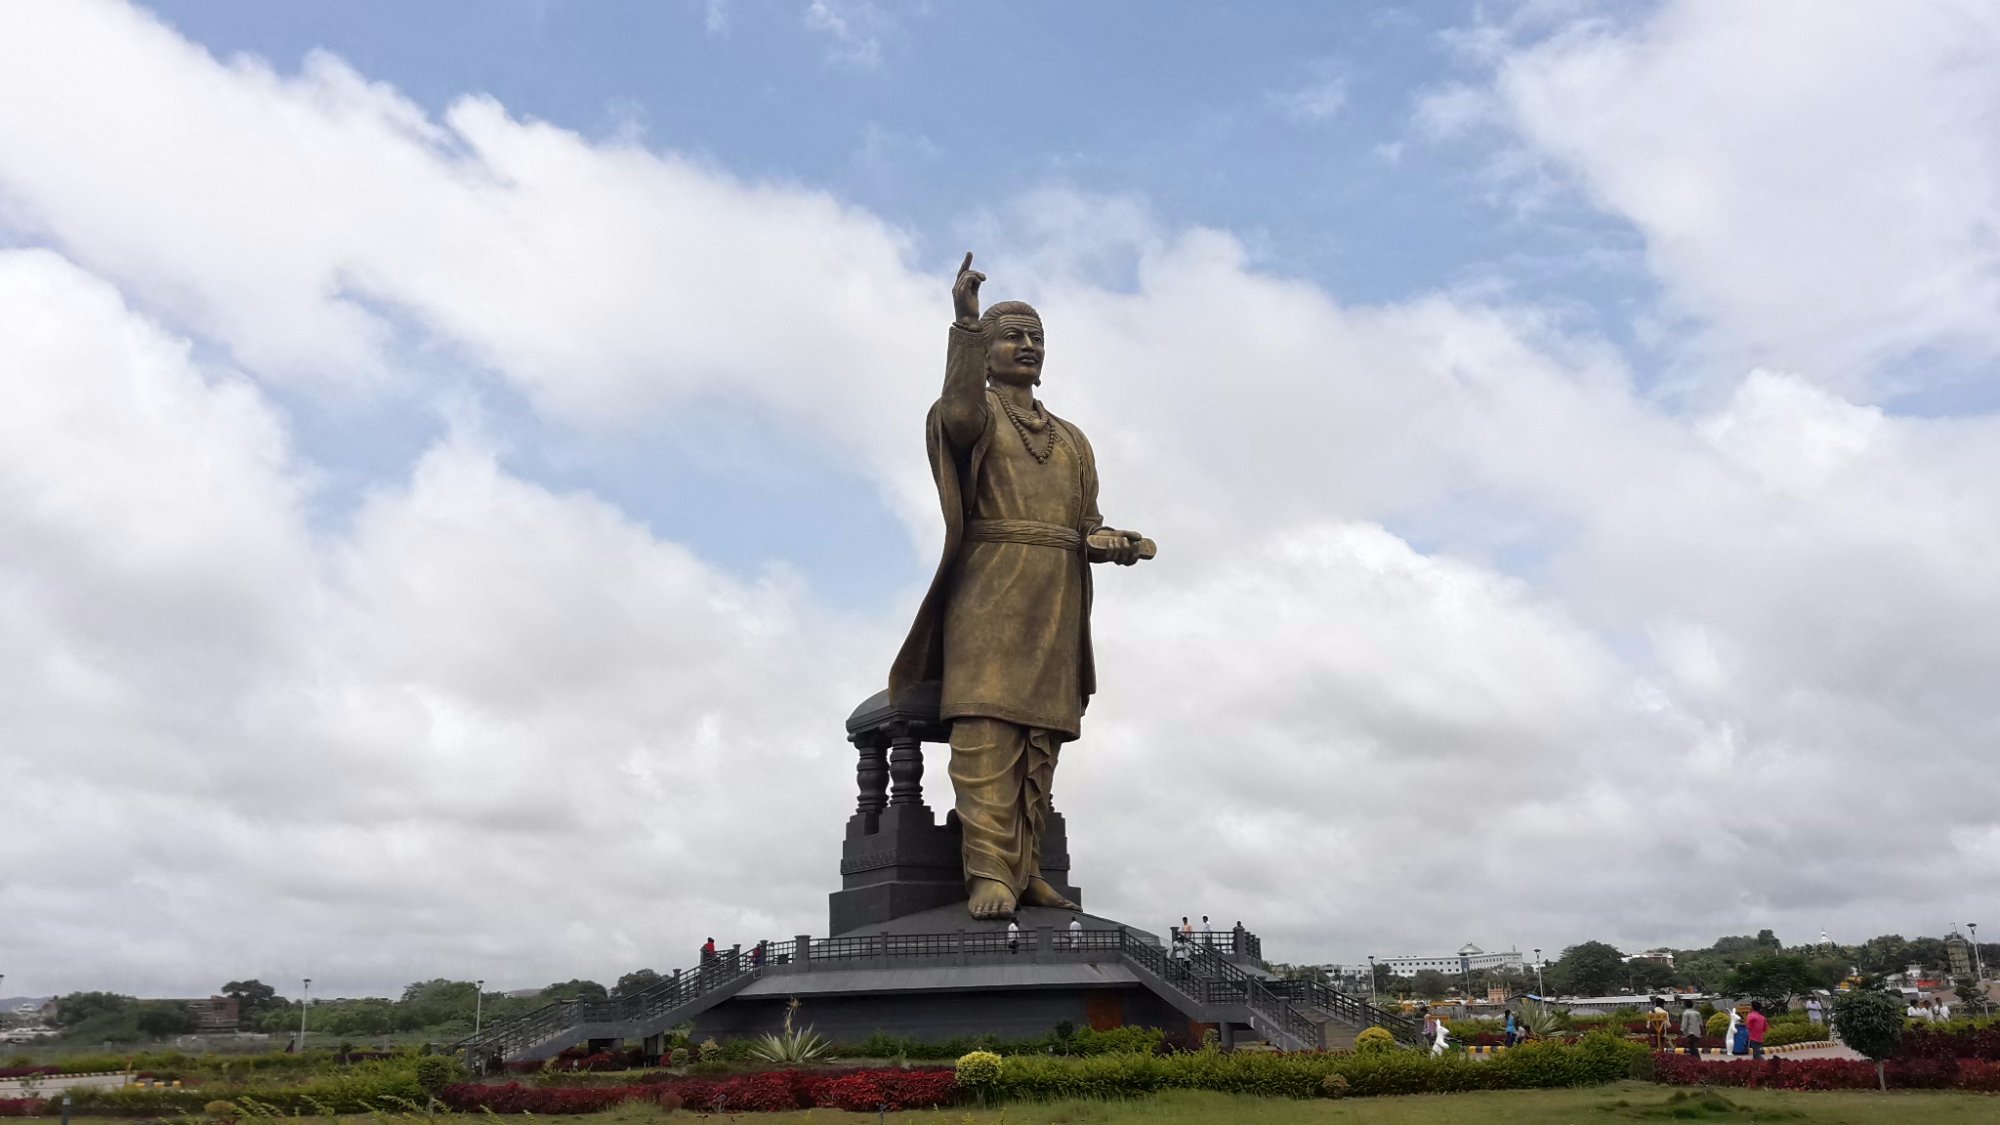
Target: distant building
(1346,976)
(1658,956)
(216,1013)
(1468,958)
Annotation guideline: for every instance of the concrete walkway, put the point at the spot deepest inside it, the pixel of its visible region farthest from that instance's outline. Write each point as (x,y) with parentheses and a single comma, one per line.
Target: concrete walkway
(44,1084)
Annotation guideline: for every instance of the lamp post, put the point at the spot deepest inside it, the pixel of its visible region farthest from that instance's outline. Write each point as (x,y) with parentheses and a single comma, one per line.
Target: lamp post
(305,1001)
(478,1003)
(1540,990)
(1979,968)
(1371,980)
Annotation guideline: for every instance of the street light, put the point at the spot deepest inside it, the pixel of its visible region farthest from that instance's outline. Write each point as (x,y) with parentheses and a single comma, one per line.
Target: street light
(305,1001)
(1371,980)
(1979,968)
(478,1001)
(1539,989)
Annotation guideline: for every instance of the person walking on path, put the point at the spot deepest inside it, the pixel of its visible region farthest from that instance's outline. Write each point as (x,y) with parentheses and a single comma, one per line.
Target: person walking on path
(1207,933)
(1756,1025)
(1815,1015)
(1657,1022)
(1692,1026)
(1013,936)
(1508,1026)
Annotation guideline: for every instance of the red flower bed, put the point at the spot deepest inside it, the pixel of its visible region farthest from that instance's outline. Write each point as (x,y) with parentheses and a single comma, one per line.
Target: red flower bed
(767,1091)
(27,1071)
(1962,1043)
(1774,1074)
(1830,1074)
(22,1107)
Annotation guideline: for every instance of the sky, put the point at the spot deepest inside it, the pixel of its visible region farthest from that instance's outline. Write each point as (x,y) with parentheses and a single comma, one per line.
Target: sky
(460,464)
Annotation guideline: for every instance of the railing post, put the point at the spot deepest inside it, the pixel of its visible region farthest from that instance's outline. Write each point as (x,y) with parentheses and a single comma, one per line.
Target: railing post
(1043,944)
(882,950)
(802,946)
(961,946)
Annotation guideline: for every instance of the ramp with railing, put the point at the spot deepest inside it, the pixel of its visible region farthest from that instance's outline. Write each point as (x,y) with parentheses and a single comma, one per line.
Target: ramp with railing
(1203,979)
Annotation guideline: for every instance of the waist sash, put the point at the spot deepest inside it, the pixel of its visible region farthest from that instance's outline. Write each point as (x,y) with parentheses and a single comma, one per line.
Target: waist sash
(1034,533)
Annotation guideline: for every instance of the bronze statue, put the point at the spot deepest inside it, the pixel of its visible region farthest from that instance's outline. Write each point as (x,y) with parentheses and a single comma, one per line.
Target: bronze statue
(1005,626)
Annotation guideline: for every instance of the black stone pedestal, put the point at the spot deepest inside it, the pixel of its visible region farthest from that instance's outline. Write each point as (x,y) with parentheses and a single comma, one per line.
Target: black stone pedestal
(898,859)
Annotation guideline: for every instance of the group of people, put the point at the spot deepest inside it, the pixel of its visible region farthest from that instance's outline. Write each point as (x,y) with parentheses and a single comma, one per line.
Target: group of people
(1744,1036)
(1931,1009)
(710,956)
(1185,935)
(1075,930)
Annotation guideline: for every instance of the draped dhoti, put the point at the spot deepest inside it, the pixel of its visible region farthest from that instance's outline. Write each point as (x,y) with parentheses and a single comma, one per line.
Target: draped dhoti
(1001,773)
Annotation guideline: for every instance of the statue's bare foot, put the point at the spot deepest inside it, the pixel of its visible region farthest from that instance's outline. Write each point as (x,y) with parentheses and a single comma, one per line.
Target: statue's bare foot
(1040,893)
(991,899)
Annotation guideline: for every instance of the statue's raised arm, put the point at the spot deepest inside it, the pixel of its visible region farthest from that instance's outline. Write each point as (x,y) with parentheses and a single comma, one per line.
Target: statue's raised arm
(962,407)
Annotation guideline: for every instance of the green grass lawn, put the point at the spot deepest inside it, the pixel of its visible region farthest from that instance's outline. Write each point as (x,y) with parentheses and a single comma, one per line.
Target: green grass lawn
(1623,1102)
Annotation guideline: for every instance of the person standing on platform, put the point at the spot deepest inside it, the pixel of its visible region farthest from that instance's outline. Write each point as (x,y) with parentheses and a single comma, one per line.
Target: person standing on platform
(1013,936)
(1075,932)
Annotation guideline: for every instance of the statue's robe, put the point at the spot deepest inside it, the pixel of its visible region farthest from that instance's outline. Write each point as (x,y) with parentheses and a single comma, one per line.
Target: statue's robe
(1005,626)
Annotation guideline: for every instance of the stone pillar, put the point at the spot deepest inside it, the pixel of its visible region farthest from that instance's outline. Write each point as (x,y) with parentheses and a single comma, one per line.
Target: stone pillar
(906,765)
(871,776)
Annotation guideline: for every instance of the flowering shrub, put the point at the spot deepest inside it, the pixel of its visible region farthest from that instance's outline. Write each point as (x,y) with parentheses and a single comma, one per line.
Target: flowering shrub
(979,1071)
(22,1107)
(1374,1040)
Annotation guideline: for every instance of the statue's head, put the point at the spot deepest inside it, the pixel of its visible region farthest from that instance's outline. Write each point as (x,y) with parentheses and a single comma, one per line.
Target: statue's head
(1014,350)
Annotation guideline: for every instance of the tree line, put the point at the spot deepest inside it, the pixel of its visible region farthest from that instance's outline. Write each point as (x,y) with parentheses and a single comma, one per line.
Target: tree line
(1759,966)
(441,1008)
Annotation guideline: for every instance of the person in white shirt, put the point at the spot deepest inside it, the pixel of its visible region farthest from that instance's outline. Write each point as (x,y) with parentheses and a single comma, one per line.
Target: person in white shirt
(1075,931)
(1013,936)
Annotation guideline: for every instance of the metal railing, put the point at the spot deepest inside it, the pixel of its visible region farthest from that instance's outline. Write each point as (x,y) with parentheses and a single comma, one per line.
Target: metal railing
(1200,969)
(1256,993)
(1351,1010)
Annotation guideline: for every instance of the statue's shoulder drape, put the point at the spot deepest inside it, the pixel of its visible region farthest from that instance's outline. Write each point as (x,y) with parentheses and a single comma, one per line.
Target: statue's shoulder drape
(922,655)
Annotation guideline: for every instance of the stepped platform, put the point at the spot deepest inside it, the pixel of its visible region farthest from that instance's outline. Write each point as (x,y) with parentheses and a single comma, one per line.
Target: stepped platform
(905,959)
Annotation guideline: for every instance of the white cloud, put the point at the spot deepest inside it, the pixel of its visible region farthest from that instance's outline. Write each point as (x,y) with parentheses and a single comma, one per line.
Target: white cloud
(1447,615)
(1313,102)
(1815,182)
(854,30)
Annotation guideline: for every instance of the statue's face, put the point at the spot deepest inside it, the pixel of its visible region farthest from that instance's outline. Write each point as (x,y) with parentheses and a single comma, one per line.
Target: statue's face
(1014,351)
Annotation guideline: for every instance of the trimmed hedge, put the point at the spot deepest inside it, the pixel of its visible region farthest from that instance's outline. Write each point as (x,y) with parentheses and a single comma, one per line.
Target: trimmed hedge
(362,1088)
(766,1091)
(1591,1060)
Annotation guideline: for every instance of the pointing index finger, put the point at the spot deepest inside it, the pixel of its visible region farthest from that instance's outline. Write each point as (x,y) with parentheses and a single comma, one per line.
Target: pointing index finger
(967,264)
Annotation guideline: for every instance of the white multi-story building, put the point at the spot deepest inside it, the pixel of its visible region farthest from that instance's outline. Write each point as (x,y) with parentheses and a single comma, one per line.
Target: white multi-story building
(1468,958)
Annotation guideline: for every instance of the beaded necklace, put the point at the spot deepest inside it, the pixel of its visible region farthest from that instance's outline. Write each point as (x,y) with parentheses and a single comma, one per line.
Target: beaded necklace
(1026,426)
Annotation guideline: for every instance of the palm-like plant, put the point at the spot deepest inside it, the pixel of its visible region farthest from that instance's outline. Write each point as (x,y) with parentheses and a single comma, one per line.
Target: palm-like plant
(1543,1021)
(792,1045)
